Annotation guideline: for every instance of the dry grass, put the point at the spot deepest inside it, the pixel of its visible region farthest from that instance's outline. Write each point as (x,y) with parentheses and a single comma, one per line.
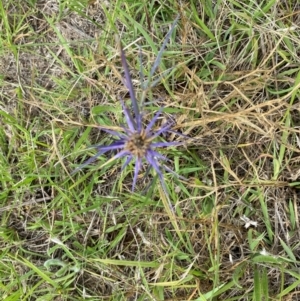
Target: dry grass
(233,89)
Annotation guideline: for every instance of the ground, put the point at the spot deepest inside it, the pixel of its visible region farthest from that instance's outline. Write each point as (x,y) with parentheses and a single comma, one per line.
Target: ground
(229,82)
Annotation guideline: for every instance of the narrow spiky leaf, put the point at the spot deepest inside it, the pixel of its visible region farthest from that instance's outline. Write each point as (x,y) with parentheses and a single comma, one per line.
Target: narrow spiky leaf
(129,120)
(141,68)
(129,86)
(162,48)
(152,122)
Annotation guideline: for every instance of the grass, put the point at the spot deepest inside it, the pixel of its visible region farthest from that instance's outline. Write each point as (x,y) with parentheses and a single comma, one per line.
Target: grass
(233,87)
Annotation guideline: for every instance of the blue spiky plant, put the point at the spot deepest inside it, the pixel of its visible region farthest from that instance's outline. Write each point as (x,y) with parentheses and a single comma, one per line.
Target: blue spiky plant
(138,141)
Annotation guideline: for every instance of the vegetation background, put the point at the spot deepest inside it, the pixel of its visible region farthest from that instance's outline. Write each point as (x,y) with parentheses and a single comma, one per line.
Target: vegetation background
(233,87)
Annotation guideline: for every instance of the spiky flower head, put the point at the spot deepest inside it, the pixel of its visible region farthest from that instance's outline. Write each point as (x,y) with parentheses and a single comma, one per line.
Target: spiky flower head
(138,142)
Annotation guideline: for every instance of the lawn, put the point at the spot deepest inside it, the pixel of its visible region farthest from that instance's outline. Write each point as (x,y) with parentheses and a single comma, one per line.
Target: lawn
(220,223)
